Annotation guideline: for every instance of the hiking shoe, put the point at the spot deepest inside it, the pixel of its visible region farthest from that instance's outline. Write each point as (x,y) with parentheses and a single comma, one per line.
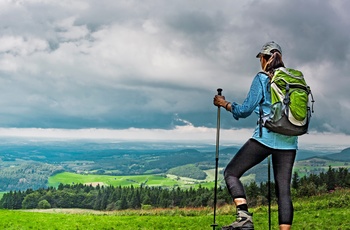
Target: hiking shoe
(244,221)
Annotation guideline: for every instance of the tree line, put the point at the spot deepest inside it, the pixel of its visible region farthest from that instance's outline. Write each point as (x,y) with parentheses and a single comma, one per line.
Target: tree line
(120,198)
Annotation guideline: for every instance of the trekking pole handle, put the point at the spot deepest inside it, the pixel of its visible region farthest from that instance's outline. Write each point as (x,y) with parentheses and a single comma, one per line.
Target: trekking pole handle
(219,91)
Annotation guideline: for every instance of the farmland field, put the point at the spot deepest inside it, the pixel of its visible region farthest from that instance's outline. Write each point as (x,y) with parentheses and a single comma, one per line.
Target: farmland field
(167,180)
(150,180)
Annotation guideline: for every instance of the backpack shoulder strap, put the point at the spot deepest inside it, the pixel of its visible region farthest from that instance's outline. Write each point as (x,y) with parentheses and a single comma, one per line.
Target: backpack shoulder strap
(261,112)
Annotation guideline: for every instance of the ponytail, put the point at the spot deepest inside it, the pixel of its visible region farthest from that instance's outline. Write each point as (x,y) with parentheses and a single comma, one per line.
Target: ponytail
(273,62)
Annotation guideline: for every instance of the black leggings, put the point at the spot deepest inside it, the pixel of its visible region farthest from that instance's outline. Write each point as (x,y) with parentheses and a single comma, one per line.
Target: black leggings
(251,154)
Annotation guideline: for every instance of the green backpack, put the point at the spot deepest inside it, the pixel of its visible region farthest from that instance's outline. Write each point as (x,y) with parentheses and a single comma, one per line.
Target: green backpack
(290,108)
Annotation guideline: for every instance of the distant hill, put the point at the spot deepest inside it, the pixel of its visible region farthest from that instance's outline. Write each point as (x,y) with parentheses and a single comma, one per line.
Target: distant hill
(306,154)
(344,155)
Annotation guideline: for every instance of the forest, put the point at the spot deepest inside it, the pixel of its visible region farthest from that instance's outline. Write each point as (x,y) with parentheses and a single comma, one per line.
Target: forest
(120,198)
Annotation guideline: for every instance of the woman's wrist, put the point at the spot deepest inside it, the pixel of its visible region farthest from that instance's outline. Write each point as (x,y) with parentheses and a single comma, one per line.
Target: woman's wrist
(228,106)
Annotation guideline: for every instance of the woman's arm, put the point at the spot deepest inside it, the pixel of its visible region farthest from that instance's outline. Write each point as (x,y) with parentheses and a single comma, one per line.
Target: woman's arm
(254,97)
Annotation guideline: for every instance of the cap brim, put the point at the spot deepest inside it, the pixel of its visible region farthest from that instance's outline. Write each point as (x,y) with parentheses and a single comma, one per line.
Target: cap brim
(258,55)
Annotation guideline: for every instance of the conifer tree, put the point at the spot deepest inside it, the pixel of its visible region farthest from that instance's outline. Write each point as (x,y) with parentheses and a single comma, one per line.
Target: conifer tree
(295,180)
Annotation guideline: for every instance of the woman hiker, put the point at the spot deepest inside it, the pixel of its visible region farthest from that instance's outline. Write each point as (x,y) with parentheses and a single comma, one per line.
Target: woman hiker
(262,144)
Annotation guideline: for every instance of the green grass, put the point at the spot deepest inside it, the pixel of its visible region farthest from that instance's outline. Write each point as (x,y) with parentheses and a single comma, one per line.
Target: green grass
(326,212)
(150,180)
(332,218)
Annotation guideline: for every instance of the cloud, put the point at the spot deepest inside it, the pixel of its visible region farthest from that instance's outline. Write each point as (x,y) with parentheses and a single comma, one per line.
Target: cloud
(331,142)
(132,64)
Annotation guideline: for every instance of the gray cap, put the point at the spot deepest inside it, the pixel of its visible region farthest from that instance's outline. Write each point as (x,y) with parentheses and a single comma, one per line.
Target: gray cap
(268,47)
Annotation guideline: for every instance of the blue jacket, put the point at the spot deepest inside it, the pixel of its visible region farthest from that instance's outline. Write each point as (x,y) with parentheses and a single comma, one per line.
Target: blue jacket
(260,91)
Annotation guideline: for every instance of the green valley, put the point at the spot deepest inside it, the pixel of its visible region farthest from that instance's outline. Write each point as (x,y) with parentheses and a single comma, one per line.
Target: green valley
(33,164)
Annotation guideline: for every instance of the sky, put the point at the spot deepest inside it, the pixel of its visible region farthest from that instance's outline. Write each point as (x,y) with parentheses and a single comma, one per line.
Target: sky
(134,69)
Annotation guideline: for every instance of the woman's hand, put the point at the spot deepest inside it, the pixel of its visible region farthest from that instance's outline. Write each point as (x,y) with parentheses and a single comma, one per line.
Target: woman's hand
(219,101)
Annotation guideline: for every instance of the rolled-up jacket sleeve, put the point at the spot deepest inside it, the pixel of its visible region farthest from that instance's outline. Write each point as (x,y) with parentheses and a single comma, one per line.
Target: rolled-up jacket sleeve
(255,95)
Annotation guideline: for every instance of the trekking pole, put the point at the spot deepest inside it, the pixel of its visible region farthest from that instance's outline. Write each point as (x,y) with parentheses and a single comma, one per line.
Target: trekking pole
(216,160)
(269,189)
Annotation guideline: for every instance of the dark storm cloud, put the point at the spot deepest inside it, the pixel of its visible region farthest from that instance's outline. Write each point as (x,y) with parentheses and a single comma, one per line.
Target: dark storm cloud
(151,64)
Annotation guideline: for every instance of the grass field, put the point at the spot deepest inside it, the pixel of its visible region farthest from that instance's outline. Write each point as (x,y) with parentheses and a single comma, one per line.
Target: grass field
(326,212)
(332,218)
(150,180)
